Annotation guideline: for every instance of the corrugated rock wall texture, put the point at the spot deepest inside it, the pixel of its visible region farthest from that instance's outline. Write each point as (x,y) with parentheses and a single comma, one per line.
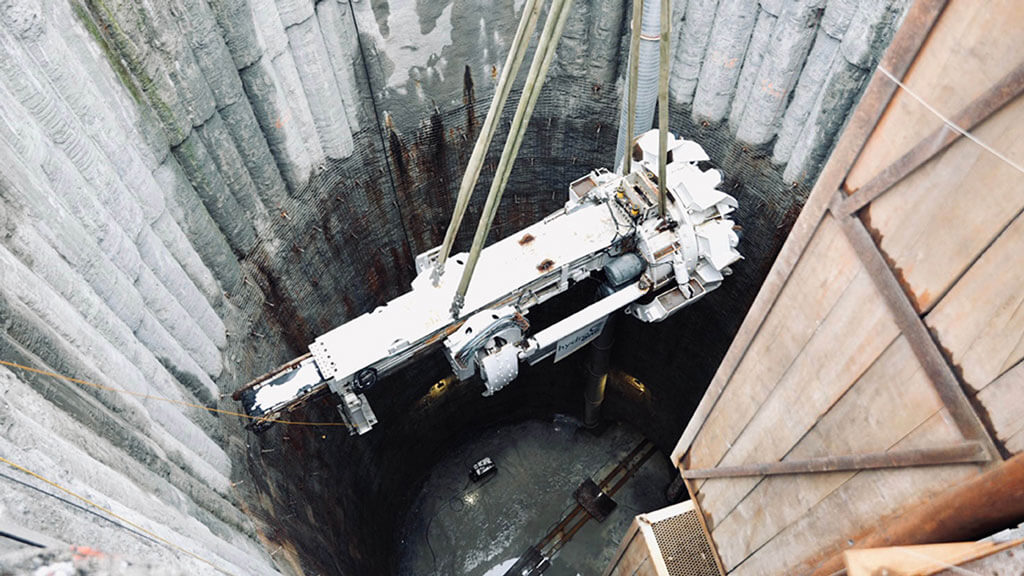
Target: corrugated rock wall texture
(784,74)
(194,189)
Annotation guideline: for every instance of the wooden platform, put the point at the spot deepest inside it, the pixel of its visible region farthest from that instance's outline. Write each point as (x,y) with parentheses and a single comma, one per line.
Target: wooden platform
(893,317)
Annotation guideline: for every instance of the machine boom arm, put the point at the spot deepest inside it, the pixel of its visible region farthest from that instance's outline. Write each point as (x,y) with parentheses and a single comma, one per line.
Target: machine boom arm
(609,222)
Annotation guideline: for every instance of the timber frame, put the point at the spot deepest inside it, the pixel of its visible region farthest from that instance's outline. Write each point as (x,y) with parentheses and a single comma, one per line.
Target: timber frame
(828,197)
(889,333)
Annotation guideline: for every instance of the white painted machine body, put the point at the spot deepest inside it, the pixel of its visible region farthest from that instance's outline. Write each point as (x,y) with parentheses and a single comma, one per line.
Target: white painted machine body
(607,217)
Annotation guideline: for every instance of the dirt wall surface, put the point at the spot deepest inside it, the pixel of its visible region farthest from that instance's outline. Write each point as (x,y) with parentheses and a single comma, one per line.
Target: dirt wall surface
(193,190)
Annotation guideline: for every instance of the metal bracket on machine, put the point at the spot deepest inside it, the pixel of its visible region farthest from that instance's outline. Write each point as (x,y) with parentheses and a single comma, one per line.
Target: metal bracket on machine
(354,406)
(488,343)
(355,409)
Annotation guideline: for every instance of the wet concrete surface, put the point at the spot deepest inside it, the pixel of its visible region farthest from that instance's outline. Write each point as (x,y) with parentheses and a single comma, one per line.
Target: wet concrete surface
(459,527)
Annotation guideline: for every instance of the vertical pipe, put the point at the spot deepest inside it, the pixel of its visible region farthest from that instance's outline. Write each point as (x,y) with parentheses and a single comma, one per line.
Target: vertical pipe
(666,28)
(634,59)
(647,79)
(597,374)
(517,52)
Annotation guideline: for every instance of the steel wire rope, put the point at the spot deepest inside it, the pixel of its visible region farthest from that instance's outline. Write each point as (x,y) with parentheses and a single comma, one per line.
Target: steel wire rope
(113,514)
(948,122)
(77,506)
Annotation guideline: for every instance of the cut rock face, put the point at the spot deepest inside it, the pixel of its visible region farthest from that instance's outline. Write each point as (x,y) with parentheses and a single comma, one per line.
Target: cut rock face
(192,191)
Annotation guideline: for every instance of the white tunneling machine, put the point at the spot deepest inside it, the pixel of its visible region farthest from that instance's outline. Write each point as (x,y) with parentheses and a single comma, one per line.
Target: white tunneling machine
(610,225)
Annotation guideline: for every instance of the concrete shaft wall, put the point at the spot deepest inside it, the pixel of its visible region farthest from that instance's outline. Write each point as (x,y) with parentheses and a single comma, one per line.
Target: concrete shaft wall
(192,190)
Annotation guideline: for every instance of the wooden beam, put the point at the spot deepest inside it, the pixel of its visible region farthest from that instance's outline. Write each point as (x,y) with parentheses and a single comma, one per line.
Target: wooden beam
(914,330)
(964,453)
(976,508)
(920,560)
(902,52)
(993,100)
(692,491)
(625,547)
(1006,562)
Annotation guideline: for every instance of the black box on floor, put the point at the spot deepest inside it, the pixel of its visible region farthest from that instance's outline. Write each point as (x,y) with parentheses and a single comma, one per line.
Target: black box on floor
(482,469)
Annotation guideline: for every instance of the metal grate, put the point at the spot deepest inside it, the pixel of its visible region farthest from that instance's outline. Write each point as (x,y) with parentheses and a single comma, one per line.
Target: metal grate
(684,547)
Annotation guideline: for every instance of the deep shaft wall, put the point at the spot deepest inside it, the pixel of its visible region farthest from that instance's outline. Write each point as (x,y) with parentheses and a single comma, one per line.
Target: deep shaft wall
(193,190)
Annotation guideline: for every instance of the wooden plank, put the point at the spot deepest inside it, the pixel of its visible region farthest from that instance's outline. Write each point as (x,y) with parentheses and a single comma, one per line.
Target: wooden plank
(816,380)
(906,43)
(691,490)
(749,340)
(970,48)
(1009,562)
(1003,403)
(632,553)
(980,323)
(982,504)
(656,564)
(1015,445)
(933,224)
(967,119)
(813,290)
(921,560)
(826,528)
(892,399)
(912,327)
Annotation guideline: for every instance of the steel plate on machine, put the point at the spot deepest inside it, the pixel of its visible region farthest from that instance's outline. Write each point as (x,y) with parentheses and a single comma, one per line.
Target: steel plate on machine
(579,339)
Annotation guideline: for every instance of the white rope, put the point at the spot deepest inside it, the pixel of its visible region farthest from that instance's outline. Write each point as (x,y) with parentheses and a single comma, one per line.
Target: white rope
(950,123)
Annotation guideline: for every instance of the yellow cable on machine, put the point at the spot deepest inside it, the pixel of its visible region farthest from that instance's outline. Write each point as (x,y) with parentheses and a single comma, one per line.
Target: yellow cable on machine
(112,513)
(163,399)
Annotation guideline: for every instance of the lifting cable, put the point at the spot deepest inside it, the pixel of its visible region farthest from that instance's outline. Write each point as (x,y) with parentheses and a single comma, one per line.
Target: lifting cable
(634,73)
(527,23)
(544,54)
(115,515)
(663,63)
(164,399)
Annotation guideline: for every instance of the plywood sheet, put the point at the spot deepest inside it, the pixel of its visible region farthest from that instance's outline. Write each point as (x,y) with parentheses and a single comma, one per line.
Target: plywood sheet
(848,341)
(980,323)
(817,282)
(973,45)
(834,523)
(889,401)
(934,223)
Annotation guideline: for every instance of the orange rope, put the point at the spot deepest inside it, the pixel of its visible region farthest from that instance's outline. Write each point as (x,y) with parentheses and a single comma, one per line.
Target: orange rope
(163,399)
